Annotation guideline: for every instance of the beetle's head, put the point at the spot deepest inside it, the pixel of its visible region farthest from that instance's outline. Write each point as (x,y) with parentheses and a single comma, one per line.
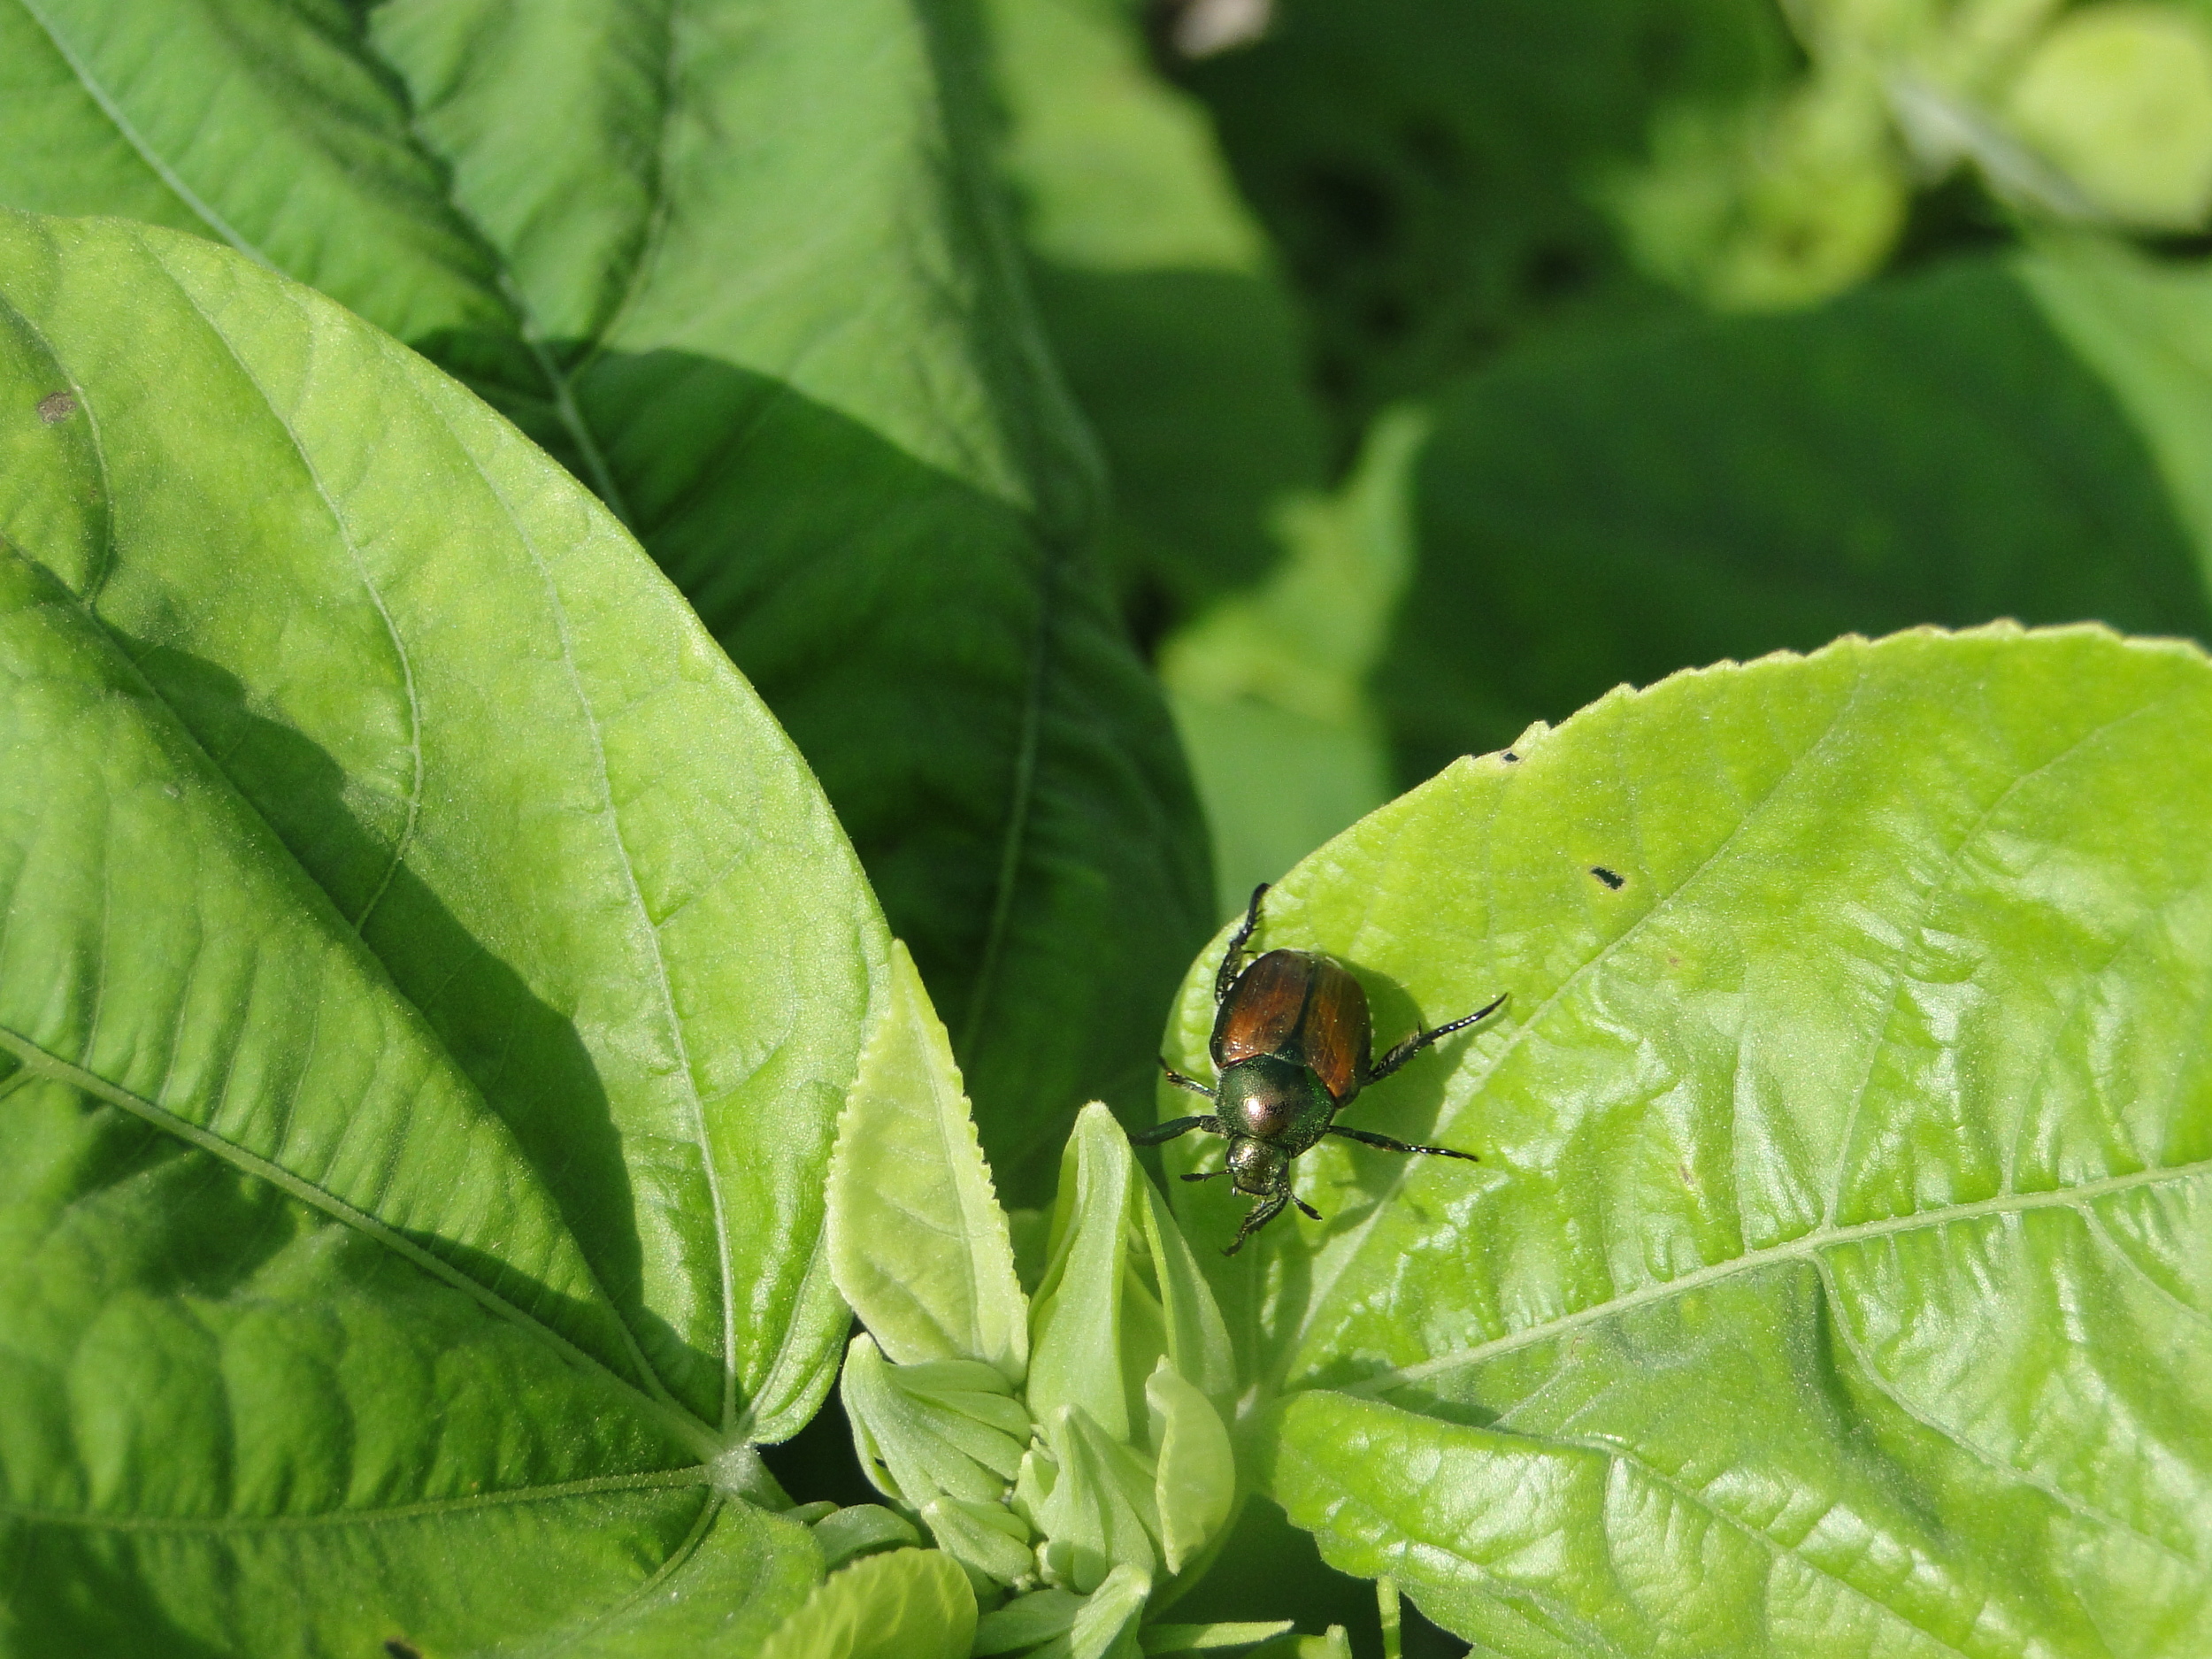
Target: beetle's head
(1255,1166)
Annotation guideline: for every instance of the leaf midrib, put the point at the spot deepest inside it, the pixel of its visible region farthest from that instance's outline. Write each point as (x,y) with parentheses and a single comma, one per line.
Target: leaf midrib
(1805,1247)
(665,1480)
(35,1057)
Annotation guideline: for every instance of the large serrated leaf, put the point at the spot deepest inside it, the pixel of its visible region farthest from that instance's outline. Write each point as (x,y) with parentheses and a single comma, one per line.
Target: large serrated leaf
(918,1243)
(1836,1273)
(738,267)
(431,979)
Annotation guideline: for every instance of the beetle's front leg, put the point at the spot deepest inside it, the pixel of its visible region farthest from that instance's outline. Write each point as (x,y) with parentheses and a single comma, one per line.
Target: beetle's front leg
(1180,1081)
(1176,1126)
(1232,958)
(1258,1216)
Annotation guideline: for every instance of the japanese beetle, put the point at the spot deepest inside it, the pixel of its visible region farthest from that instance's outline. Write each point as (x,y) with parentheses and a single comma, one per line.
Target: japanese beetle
(1291,1048)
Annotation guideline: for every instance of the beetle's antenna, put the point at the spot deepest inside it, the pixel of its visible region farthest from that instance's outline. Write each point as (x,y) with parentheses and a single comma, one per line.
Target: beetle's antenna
(1421,1040)
(1232,958)
(1204,1175)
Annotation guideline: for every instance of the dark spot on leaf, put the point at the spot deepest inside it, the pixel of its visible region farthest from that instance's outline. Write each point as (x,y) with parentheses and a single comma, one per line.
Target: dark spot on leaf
(1615,882)
(56,407)
(398,1650)
(1510,758)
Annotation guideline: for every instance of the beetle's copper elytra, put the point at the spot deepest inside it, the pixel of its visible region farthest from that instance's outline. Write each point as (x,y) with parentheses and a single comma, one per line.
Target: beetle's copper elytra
(1291,1046)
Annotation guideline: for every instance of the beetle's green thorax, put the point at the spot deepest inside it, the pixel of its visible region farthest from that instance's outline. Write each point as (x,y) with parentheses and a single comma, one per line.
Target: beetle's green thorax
(1275,1100)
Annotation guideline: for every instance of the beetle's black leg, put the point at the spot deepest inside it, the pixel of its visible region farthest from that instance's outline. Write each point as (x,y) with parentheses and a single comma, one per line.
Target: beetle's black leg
(1180,1081)
(1258,1216)
(1312,1213)
(1232,958)
(1421,1040)
(1176,1126)
(1204,1175)
(1388,1145)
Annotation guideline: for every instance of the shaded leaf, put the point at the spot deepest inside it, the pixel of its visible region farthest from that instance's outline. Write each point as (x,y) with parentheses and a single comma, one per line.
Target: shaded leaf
(1926,450)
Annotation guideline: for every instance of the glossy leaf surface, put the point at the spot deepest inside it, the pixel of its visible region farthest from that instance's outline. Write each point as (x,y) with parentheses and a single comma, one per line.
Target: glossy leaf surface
(1836,1273)
(429,983)
(738,268)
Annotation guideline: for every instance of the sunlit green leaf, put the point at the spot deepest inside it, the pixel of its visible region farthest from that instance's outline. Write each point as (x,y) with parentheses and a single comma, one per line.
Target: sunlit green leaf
(910,1604)
(918,1243)
(1836,1270)
(437,976)
(740,269)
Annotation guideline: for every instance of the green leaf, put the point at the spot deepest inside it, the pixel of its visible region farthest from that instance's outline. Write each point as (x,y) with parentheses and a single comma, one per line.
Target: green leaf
(1026,1621)
(1432,172)
(1122,1290)
(1093,1500)
(2145,327)
(910,1604)
(740,269)
(918,1243)
(1106,1626)
(860,1529)
(1173,1638)
(1195,1479)
(1270,686)
(1927,450)
(438,976)
(1841,1258)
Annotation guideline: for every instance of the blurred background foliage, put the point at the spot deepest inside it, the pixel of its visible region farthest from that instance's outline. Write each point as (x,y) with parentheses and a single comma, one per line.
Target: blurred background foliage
(1455,360)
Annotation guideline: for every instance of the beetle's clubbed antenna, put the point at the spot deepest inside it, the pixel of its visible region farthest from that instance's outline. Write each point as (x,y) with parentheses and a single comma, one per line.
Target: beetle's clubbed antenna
(1368,1139)
(1204,1175)
(1421,1040)
(1232,958)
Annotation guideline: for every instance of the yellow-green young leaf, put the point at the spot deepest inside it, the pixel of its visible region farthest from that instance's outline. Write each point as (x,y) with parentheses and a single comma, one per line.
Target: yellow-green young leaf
(910,1604)
(917,1242)
(1106,1626)
(1026,1621)
(1122,1289)
(429,983)
(1839,1269)
(1174,1638)
(739,268)
(1194,1475)
(1092,1498)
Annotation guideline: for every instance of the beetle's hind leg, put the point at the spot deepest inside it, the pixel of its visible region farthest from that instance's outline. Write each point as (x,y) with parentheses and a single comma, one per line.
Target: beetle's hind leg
(1176,1126)
(1232,958)
(1367,1138)
(1190,1083)
(1421,1040)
